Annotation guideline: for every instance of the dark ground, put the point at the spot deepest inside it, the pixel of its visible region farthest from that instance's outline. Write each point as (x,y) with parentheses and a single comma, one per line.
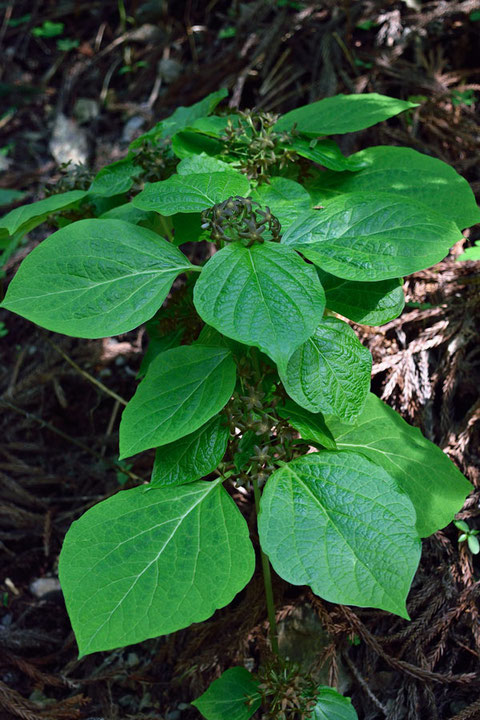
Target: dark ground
(58,446)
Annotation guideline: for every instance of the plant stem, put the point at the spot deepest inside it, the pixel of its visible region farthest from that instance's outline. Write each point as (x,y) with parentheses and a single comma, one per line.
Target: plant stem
(267,580)
(164,225)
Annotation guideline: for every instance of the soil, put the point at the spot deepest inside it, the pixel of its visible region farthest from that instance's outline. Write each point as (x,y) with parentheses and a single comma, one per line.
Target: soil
(58,448)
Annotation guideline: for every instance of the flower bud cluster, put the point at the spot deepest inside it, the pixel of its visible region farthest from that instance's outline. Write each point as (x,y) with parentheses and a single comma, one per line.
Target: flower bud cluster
(240,219)
(257,146)
(260,436)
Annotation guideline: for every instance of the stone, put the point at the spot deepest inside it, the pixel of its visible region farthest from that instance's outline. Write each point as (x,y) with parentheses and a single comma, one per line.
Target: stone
(68,142)
(43,586)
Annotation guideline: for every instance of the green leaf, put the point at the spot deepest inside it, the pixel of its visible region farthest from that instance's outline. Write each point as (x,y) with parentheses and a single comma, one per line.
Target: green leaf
(119,565)
(406,173)
(471,253)
(264,295)
(215,125)
(95,278)
(286,199)
(333,706)
(330,372)
(29,216)
(193,456)
(324,152)
(158,343)
(373,303)
(372,237)
(49,29)
(181,118)
(8,196)
(128,213)
(116,178)
(431,481)
(188,228)
(184,387)
(337,522)
(187,143)
(203,163)
(473,544)
(212,338)
(191,193)
(234,696)
(342,114)
(310,426)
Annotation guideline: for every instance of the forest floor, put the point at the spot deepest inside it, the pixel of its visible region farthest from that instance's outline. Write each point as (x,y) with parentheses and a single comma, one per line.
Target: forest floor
(115,68)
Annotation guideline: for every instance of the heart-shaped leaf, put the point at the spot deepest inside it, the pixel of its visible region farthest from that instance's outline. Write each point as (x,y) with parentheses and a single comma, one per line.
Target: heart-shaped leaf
(95,278)
(405,173)
(119,565)
(370,237)
(264,295)
(337,522)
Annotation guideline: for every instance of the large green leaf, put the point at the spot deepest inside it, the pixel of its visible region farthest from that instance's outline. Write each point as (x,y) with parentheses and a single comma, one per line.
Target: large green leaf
(324,152)
(333,706)
(193,456)
(129,213)
(186,144)
(95,278)
(422,471)
(142,564)
(202,163)
(368,237)
(264,295)
(188,228)
(286,199)
(337,522)
(29,216)
(116,178)
(191,193)
(311,426)
(342,114)
(184,387)
(234,696)
(366,303)
(407,173)
(181,118)
(158,342)
(330,372)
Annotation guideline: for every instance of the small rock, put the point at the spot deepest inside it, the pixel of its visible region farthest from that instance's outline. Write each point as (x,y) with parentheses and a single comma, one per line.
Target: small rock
(43,586)
(147,33)
(169,70)
(131,128)
(173,715)
(68,141)
(4,163)
(85,110)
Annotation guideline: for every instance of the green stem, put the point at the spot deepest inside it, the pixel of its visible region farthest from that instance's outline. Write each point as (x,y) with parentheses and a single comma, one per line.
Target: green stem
(164,225)
(267,581)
